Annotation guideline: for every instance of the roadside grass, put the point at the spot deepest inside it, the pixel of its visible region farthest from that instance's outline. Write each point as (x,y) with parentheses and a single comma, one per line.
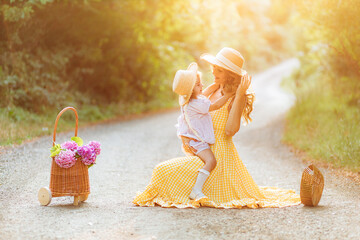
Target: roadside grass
(323,125)
(19,125)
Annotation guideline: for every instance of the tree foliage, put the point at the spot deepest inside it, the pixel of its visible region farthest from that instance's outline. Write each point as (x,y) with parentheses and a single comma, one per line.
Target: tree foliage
(56,52)
(325,119)
(329,39)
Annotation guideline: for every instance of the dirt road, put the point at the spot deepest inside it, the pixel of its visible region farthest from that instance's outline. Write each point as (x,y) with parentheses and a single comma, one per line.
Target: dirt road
(131,149)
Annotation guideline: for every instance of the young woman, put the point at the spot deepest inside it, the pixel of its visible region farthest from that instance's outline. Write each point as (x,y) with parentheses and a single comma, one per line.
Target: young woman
(229,185)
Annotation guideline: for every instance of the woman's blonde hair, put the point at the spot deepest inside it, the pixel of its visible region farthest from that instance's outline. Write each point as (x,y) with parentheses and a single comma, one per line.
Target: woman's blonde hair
(231,84)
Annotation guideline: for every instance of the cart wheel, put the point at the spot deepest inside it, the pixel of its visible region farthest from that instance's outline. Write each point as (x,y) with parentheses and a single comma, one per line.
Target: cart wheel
(76,200)
(44,196)
(84,197)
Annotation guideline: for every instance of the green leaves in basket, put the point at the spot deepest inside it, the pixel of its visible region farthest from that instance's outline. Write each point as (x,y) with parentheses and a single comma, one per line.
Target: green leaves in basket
(78,140)
(55,150)
(91,165)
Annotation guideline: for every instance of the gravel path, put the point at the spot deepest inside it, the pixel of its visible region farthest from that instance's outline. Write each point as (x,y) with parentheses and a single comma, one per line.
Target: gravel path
(131,149)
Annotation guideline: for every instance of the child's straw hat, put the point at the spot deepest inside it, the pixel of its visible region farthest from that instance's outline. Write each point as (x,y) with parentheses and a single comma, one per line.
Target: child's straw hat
(184,83)
(227,58)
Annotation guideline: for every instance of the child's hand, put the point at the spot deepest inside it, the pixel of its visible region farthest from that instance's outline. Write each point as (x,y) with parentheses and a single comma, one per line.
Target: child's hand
(216,85)
(228,93)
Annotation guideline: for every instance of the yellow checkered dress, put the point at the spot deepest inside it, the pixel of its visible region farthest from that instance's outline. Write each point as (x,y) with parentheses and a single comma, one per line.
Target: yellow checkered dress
(229,185)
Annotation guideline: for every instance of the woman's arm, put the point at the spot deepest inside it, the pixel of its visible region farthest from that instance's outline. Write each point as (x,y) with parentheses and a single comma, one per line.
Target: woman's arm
(210,89)
(233,123)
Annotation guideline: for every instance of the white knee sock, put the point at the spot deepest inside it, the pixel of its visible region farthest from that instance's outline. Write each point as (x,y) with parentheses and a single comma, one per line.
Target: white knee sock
(200,180)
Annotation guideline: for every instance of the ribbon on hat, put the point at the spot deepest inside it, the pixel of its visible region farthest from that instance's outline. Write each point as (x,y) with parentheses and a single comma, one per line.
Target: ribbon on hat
(229,63)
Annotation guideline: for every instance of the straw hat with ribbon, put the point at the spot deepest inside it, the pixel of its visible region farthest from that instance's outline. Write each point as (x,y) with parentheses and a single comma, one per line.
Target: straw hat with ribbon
(227,58)
(184,83)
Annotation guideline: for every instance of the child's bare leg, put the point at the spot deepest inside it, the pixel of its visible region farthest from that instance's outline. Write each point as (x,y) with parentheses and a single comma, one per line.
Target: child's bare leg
(207,156)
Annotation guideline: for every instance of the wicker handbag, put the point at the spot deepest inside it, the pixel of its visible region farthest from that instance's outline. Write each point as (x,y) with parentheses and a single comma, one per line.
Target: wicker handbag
(312,185)
(73,181)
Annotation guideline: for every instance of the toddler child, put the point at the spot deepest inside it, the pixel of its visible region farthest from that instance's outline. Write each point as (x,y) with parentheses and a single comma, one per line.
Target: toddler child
(195,122)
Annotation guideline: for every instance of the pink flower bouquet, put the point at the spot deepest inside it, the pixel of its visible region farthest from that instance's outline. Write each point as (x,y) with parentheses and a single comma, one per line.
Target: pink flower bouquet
(65,159)
(69,152)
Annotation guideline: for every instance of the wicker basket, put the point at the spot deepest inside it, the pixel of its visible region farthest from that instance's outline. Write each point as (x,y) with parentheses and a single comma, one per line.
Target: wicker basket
(73,181)
(312,185)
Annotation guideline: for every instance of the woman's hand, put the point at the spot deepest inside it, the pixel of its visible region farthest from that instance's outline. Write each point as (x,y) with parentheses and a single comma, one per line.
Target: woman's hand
(233,123)
(188,150)
(244,85)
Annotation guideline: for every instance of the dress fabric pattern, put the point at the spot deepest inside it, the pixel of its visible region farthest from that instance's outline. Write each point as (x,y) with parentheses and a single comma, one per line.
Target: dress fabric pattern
(229,185)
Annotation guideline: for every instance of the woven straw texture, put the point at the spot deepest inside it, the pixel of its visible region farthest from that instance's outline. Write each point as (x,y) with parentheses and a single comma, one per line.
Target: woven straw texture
(312,185)
(229,185)
(72,181)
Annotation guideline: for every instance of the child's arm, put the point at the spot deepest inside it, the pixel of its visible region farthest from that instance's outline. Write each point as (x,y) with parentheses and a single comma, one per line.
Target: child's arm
(210,89)
(220,102)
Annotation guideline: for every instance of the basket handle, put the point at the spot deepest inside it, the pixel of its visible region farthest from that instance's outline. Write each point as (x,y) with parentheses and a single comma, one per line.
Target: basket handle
(58,117)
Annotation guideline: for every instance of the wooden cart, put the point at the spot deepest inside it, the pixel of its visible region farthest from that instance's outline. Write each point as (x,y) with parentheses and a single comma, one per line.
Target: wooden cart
(73,181)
